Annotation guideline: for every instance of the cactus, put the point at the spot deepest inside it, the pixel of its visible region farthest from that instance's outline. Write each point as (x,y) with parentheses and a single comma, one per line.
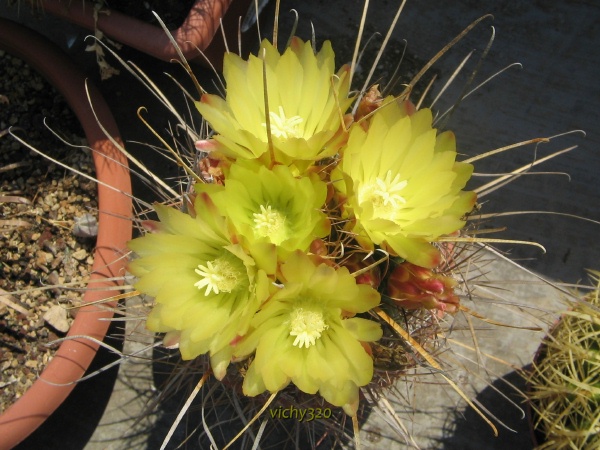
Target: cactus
(565,380)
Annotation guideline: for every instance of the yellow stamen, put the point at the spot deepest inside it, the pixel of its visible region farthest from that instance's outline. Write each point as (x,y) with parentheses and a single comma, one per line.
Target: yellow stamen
(307,325)
(384,194)
(218,275)
(283,127)
(270,222)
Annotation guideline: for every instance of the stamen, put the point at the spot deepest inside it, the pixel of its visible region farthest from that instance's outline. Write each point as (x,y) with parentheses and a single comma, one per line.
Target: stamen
(307,325)
(283,127)
(218,275)
(270,222)
(384,195)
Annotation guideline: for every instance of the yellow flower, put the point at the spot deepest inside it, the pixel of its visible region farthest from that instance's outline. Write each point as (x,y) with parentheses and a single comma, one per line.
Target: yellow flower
(403,184)
(305,334)
(206,289)
(271,206)
(306,101)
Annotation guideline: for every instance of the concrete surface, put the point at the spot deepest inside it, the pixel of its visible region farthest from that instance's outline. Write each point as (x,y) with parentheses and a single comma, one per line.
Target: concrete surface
(556,91)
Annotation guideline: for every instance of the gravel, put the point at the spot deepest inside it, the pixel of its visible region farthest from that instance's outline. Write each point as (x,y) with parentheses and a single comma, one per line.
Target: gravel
(40,205)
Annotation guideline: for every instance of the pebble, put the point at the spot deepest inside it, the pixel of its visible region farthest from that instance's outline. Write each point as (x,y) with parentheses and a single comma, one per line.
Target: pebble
(43,258)
(56,317)
(80,254)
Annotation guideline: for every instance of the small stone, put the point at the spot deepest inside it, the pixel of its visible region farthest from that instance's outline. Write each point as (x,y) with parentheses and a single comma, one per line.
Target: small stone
(10,380)
(56,317)
(32,364)
(53,278)
(43,258)
(57,261)
(80,254)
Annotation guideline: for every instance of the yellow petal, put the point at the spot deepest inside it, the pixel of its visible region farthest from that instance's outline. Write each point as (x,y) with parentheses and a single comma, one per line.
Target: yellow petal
(363,329)
(253,383)
(417,251)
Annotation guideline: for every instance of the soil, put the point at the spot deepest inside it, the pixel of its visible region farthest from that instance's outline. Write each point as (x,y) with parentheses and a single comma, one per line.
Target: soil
(42,207)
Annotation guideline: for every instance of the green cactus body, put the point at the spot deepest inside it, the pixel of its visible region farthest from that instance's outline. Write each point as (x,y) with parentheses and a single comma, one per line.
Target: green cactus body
(565,380)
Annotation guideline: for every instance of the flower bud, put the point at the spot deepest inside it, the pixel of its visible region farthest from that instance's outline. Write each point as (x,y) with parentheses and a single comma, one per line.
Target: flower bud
(413,287)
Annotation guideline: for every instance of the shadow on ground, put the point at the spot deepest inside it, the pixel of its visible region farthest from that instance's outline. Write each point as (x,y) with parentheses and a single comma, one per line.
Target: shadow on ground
(466,430)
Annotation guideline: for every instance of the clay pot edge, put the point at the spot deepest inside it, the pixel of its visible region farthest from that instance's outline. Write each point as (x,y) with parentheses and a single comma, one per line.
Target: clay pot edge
(197,33)
(115,229)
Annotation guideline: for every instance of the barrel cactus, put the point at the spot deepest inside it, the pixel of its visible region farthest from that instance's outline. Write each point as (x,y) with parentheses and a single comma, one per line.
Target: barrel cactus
(565,380)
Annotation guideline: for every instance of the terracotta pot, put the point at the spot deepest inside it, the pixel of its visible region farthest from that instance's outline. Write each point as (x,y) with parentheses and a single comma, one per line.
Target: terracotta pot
(115,228)
(196,33)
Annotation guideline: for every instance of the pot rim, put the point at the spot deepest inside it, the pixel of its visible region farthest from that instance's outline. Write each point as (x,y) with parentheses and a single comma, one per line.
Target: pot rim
(197,33)
(115,228)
